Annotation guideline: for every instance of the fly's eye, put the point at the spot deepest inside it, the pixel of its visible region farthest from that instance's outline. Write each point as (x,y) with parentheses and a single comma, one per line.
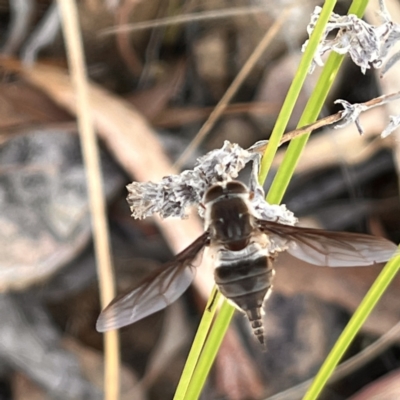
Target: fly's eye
(213,193)
(236,187)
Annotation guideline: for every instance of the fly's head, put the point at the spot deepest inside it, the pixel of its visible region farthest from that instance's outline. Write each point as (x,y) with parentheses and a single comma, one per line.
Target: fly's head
(226,190)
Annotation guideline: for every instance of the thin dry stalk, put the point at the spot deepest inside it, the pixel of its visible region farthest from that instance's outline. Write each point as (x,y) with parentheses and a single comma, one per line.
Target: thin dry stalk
(329,120)
(96,199)
(185,18)
(233,88)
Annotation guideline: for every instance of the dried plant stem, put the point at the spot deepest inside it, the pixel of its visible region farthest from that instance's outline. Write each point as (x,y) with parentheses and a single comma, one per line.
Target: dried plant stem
(185,18)
(73,41)
(329,120)
(381,100)
(233,88)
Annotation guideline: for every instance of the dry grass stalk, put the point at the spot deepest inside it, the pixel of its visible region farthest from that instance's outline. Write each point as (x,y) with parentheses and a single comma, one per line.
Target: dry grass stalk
(91,157)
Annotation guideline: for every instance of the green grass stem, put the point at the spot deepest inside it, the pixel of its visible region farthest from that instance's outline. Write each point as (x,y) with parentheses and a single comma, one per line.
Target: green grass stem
(357,320)
(197,346)
(211,348)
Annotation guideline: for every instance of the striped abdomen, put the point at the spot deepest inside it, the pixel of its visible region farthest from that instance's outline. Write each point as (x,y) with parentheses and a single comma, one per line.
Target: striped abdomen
(246,281)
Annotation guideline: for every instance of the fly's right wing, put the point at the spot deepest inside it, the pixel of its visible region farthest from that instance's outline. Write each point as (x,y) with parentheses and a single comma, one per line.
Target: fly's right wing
(331,249)
(156,292)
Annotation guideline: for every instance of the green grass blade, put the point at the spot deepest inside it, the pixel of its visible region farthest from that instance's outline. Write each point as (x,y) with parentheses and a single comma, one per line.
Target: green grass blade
(310,114)
(211,348)
(357,320)
(197,345)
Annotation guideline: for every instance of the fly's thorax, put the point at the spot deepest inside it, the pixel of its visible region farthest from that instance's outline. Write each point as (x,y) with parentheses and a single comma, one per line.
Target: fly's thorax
(224,192)
(229,214)
(231,221)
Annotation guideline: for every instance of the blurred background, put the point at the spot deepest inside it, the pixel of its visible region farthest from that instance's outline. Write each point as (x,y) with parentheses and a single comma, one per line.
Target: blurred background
(153,87)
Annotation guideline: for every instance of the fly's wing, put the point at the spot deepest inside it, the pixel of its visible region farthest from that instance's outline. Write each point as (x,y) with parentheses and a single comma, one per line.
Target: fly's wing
(146,299)
(331,249)
(155,293)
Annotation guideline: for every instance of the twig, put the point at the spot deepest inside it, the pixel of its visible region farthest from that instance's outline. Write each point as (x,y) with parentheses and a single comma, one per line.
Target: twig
(350,114)
(95,193)
(183,19)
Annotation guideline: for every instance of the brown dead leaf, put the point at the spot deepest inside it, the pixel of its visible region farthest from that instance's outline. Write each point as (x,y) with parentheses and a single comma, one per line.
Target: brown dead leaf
(21,104)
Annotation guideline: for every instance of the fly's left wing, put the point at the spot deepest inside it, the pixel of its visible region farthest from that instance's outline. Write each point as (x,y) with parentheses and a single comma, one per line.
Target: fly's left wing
(331,249)
(156,292)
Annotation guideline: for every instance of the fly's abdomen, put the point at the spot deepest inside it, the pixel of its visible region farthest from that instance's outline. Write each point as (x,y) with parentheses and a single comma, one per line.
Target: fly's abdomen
(246,283)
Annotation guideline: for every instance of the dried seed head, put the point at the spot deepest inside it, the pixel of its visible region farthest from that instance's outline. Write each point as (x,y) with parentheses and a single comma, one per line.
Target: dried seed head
(367,45)
(175,193)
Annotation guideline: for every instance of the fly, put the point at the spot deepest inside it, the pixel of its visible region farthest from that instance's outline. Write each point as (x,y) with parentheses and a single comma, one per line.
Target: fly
(244,248)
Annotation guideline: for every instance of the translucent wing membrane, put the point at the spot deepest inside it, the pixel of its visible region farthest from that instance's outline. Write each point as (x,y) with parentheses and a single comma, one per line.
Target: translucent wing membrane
(143,301)
(156,293)
(331,249)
